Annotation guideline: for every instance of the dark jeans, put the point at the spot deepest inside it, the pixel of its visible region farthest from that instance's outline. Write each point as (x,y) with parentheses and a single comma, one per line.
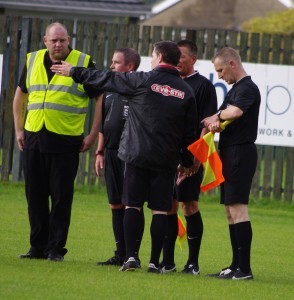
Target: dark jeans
(48,176)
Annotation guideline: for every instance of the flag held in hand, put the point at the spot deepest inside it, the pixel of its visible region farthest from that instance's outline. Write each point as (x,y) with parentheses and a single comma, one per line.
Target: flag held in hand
(204,150)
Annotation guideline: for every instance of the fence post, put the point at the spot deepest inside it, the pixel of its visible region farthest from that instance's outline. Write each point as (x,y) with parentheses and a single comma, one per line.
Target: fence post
(288,191)
(221,39)
(232,39)
(25,36)
(267,172)
(276,49)
(8,136)
(254,47)
(145,41)
(255,186)
(243,48)
(210,44)
(168,34)
(134,31)
(200,41)
(278,172)
(156,34)
(288,46)
(3,50)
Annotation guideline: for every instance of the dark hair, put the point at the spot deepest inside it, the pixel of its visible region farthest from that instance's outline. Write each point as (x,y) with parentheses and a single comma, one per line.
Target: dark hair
(193,49)
(130,56)
(169,50)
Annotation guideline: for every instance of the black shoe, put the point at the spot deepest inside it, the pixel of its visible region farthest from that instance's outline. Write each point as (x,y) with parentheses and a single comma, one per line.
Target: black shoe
(153,269)
(138,262)
(166,268)
(225,273)
(191,269)
(55,257)
(116,260)
(32,256)
(27,255)
(130,265)
(239,275)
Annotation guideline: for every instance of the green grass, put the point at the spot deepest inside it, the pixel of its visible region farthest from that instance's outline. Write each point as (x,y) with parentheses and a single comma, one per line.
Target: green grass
(90,239)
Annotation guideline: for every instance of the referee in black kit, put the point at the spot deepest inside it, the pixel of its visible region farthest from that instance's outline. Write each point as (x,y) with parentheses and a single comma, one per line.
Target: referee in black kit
(115,109)
(187,192)
(160,126)
(238,154)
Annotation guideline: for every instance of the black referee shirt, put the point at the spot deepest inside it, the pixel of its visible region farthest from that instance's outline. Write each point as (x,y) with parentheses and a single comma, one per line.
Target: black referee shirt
(205,96)
(246,96)
(115,109)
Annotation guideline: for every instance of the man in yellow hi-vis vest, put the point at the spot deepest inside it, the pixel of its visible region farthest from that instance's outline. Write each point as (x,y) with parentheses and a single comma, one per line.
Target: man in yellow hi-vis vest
(49,116)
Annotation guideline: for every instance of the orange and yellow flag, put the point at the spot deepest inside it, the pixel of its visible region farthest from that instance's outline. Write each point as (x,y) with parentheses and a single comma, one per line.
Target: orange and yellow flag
(204,150)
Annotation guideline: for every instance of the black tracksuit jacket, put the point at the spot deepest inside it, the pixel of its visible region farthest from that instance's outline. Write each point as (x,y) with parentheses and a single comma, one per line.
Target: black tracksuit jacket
(162,119)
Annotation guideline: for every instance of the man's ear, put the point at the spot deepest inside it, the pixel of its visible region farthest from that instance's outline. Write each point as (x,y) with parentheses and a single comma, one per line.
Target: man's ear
(131,67)
(194,58)
(232,64)
(160,58)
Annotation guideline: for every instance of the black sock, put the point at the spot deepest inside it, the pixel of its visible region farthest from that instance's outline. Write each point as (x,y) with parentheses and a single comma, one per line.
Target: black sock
(118,230)
(235,259)
(158,230)
(131,230)
(170,240)
(244,238)
(141,226)
(194,236)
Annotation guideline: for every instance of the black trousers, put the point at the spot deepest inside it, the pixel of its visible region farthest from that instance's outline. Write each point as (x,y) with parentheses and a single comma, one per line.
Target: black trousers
(49,177)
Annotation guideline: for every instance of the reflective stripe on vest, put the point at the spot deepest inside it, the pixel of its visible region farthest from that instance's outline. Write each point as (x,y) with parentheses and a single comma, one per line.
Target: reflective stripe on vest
(58,88)
(60,107)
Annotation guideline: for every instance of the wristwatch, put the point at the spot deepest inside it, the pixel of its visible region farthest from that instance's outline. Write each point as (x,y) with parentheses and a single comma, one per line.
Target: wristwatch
(218,115)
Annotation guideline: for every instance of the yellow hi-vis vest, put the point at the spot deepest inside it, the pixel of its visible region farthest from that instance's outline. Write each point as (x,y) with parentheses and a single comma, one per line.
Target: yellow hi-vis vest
(60,104)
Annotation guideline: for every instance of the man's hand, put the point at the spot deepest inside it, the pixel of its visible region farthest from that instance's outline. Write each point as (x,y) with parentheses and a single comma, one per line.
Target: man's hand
(215,127)
(182,174)
(63,69)
(212,123)
(195,167)
(99,164)
(88,142)
(20,137)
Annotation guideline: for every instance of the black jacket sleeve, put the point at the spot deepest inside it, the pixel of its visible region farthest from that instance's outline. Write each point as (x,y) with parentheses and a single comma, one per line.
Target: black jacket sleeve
(124,83)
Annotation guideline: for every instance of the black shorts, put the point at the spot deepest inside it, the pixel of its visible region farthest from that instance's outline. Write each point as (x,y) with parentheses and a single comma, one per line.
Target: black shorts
(114,169)
(189,189)
(239,165)
(142,185)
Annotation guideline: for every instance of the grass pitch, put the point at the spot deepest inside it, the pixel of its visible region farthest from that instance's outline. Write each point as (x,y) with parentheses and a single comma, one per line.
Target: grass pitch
(91,239)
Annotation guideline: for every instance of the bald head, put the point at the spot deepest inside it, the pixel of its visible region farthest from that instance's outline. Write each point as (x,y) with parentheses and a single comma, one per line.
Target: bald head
(57,41)
(228,65)
(226,54)
(55,26)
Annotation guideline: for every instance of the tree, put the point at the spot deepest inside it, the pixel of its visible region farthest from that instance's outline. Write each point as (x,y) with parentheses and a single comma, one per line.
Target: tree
(273,23)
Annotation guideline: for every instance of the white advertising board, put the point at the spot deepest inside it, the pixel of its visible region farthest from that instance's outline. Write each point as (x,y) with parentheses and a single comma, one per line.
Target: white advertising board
(276,85)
